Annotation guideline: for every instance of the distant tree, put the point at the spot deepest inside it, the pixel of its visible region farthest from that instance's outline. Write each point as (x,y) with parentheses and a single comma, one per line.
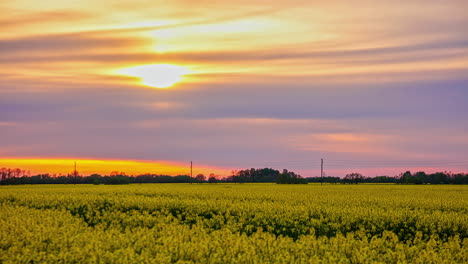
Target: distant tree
(439,177)
(212,178)
(145,178)
(353,178)
(200,178)
(406,177)
(180,178)
(289,177)
(10,176)
(381,179)
(17,172)
(94,179)
(419,177)
(254,175)
(460,178)
(117,179)
(4,174)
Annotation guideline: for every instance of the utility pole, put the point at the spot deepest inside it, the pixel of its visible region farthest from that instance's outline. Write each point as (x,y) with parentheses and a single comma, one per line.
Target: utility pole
(191,176)
(321,171)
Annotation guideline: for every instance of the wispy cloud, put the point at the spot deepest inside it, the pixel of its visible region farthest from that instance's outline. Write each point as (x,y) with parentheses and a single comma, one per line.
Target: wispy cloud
(269,85)
(9,22)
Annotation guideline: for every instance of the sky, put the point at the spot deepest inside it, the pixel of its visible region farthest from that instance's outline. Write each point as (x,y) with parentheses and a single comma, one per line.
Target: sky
(375,86)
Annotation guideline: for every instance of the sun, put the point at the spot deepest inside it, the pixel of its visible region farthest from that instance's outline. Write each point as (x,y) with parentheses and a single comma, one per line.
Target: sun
(157,75)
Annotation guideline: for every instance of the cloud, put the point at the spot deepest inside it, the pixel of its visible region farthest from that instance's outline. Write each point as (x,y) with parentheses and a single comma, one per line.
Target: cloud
(436,49)
(378,83)
(298,101)
(239,143)
(73,43)
(10,22)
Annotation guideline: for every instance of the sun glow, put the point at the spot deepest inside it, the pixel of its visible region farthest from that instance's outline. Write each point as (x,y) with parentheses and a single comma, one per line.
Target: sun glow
(157,75)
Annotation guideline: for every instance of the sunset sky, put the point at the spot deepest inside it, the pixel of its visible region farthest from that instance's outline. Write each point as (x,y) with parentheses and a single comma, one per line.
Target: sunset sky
(372,86)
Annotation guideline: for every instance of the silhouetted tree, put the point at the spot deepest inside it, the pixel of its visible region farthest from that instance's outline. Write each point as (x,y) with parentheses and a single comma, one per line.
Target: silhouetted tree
(353,178)
(200,178)
(289,177)
(419,177)
(212,178)
(406,177)
(18,176)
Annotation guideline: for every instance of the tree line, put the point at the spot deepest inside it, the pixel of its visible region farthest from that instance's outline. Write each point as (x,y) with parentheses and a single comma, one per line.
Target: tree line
(241,176)
(120,178)
(266,175)
(18,176)
(404,178)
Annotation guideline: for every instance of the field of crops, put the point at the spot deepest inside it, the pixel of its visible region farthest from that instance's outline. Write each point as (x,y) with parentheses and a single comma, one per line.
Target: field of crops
(233,223)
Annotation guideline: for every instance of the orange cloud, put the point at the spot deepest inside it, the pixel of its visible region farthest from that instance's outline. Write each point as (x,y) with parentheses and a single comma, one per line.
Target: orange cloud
(220,41)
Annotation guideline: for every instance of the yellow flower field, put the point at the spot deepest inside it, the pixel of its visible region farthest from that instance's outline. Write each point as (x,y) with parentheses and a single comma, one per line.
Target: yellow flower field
(233,223)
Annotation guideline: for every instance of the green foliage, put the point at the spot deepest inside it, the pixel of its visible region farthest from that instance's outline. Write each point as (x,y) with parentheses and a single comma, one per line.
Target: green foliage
(255,175)
(234,223)
(289,177)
